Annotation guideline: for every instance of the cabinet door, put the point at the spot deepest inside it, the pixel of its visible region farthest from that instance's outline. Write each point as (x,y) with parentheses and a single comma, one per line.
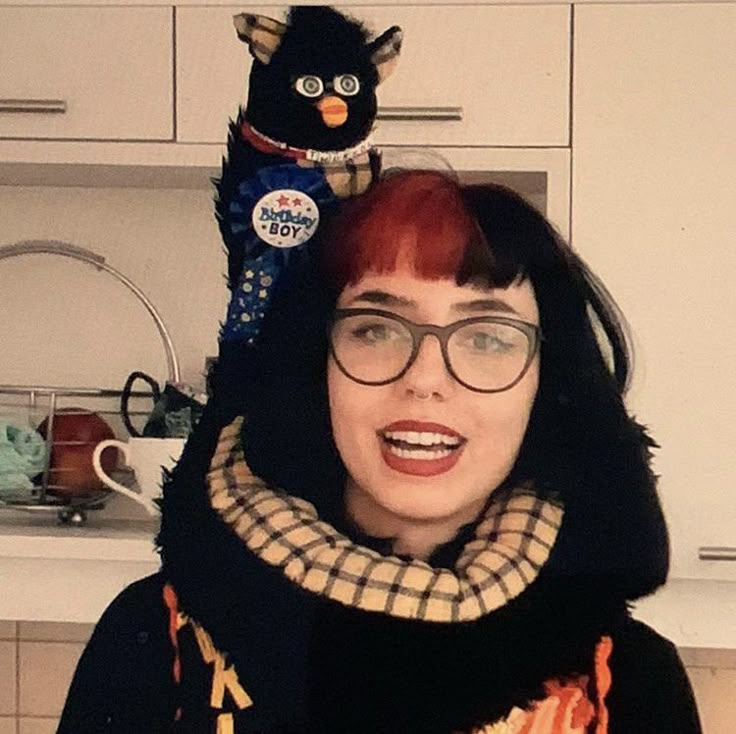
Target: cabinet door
(504,70)
(654,196)
(86,73)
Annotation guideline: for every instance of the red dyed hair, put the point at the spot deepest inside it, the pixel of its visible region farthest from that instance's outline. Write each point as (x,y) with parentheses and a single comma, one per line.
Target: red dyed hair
(414,219)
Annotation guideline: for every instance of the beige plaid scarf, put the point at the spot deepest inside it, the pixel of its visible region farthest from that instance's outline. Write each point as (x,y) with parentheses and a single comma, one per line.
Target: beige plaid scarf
(510,545)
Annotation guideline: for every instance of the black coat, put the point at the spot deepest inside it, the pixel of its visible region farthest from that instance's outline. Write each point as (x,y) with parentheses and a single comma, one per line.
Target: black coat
(314,666)
(124,681)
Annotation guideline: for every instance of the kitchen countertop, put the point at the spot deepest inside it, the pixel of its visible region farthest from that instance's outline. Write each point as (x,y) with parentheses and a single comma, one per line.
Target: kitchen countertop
(58,573)
(693,613)
(108,539)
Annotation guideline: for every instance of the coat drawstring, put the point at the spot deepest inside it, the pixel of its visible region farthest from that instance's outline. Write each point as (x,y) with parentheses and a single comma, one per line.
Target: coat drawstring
(172,602)
(224,677)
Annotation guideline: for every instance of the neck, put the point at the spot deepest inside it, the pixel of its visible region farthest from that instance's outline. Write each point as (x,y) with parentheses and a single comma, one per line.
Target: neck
(415,537)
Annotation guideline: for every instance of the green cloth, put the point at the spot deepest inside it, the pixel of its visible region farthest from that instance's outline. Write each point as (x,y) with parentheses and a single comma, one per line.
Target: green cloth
(23,455)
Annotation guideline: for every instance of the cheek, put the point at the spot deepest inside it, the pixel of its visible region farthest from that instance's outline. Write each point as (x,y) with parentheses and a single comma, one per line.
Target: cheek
(350,405)
(528,393)
(505,418)
(336,390)
(527,396)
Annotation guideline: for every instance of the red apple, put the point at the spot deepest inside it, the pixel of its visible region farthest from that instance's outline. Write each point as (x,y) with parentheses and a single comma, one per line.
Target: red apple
(76,432)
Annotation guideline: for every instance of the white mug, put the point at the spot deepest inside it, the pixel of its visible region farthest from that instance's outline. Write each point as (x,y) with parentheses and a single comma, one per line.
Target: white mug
(146,456)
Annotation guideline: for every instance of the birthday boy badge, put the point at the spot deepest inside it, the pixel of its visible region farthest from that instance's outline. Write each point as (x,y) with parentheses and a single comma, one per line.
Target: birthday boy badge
(285,218)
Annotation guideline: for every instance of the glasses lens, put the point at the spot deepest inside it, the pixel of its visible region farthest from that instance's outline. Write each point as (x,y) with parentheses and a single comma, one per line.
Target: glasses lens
(371,348)
(487,355)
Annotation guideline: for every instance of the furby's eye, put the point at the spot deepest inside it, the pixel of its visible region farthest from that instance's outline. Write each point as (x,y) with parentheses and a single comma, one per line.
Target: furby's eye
(309,86)
(346,84)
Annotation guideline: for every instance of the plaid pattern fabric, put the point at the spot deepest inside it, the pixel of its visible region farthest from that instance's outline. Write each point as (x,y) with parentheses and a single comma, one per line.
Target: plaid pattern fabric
(510,546)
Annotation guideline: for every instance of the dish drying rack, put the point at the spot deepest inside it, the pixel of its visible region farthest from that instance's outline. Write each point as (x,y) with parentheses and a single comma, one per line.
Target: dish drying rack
(46,401)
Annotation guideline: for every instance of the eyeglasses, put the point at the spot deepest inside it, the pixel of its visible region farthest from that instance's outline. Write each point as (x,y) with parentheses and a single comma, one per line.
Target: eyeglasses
(484,353)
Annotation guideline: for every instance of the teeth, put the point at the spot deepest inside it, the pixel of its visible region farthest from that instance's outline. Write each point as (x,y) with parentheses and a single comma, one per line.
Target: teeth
(419,453)
(423,438)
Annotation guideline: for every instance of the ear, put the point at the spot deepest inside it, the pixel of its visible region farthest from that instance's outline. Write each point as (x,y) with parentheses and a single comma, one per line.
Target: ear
(262,34)
(385,50)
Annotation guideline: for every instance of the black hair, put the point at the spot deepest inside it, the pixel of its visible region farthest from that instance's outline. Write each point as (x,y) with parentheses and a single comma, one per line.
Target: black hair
(581,443)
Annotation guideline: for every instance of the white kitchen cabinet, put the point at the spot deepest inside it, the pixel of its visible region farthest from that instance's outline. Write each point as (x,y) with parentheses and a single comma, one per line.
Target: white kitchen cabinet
(503,69)
(102,73)
(653,202)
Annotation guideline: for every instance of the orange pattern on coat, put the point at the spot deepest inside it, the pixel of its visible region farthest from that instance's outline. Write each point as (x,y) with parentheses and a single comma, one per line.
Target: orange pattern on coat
(567,708)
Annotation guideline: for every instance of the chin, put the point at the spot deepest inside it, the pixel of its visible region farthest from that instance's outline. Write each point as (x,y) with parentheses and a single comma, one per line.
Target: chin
(420,507)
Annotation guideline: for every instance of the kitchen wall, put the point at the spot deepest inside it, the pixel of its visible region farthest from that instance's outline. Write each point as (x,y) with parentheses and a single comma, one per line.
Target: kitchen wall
(86,329)
(80,326)
(37,661)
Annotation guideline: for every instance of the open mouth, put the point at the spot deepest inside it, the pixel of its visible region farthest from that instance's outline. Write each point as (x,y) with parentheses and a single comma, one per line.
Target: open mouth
(420,453)
(420,445)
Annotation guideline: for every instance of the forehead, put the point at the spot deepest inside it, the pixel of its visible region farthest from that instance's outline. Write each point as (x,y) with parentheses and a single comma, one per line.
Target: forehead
(439,298)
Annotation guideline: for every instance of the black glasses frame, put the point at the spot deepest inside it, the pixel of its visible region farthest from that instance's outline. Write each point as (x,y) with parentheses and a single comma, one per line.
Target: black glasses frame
(533,333)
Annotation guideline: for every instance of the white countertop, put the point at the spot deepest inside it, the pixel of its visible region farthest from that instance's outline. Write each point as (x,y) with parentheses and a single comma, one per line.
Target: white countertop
(39,536)
(58,573)
(693,613)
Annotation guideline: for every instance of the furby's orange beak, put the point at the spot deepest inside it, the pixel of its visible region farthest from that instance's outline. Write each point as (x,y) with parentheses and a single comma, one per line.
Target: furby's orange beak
(334,111)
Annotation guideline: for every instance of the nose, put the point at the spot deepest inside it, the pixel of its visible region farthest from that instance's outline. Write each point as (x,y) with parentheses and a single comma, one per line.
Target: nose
(428,374)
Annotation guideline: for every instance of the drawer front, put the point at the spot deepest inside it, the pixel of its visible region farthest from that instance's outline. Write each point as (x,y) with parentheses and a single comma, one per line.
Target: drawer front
(502,70)
(86,73)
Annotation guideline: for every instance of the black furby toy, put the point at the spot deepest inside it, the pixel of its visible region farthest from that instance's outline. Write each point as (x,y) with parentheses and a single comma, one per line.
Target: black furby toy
(299,146)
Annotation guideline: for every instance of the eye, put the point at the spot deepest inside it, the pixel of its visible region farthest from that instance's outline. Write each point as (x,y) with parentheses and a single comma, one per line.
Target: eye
(347,84)
(309,86)
(375,333)
(483,342)
(489,339)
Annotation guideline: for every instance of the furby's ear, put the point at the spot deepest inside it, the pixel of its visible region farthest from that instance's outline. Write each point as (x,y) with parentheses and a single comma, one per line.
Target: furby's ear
(262,34)
(384,51)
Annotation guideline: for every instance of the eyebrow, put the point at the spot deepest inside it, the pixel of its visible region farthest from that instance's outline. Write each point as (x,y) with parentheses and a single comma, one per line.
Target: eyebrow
(475,306)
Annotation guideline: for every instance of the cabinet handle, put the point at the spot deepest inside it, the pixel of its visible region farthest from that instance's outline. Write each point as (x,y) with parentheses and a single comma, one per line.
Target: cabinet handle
(420,114)
(717,554)
(37,106)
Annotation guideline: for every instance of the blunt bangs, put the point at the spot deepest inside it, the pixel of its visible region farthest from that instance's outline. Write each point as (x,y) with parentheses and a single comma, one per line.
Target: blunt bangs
(413,219)
(438,228)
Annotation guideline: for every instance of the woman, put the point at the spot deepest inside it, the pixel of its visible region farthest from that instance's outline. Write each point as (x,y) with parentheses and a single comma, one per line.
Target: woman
(419,506)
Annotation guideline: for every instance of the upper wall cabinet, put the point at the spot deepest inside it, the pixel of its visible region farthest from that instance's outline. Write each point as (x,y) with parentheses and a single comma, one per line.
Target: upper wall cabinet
(99,73)
(501,73)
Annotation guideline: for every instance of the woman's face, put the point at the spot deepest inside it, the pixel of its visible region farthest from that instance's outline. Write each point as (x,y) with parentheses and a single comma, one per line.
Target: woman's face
(489,426)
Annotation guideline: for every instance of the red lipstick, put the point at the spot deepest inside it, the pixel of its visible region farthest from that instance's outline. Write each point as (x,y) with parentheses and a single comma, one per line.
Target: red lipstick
(420,466)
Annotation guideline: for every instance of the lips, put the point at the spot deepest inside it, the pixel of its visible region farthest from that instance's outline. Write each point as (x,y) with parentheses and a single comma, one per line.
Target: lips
(421,464)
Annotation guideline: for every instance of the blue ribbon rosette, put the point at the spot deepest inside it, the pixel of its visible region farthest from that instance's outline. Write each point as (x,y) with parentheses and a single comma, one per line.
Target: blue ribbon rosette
(271,219)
